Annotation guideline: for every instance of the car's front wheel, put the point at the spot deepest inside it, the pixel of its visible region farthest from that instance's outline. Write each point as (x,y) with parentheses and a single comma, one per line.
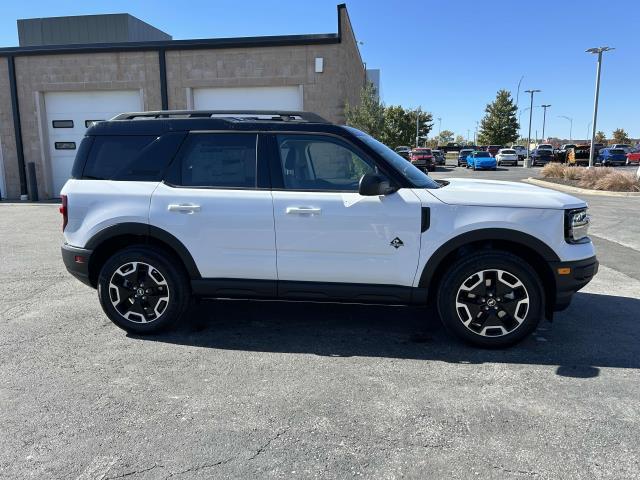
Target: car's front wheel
(143,289)
(491,299)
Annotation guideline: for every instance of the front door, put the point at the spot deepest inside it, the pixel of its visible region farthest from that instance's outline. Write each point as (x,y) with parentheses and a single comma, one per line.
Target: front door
(211,202)
(327,232)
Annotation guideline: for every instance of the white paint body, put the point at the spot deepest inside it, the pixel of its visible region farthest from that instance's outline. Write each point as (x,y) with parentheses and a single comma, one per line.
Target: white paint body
(320,236)
(80,107)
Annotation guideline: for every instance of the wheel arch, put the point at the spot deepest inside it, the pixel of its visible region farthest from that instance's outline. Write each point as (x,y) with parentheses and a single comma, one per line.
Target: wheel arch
(535,252)
(111,239)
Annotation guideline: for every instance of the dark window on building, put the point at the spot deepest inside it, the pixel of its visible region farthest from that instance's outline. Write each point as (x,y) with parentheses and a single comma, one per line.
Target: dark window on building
(217,160)
(62,123)
(65,145)
(89,123)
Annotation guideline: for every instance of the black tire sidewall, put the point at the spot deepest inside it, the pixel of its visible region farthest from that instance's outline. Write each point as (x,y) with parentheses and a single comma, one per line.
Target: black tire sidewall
(464,268)
(165,263)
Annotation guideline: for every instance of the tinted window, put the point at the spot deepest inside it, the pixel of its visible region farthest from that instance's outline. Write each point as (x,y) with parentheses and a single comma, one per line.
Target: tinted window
(509,152)
(314,162)
(415,176)
(218,160)
(62,123)
(482,154)
(616,151)
(111,156)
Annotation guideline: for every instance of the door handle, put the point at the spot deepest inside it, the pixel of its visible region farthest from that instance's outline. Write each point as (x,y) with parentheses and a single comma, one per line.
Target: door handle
(303,211)
(183,208)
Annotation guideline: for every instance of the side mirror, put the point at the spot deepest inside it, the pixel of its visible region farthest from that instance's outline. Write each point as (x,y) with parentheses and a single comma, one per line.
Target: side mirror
(372,184)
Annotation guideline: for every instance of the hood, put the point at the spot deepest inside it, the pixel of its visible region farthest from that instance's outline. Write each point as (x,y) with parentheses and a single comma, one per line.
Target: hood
(493,193)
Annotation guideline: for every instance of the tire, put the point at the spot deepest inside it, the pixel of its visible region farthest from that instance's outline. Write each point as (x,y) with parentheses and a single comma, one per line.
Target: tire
(511,277)
(158,301)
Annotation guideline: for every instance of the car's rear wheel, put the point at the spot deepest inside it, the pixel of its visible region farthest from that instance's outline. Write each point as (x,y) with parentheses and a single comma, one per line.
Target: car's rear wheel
(143,289)
(493,299)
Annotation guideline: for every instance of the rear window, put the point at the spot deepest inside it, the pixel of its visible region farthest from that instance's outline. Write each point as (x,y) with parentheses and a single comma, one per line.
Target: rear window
(616,151)
(482,154)
(544,152)
(465,152)
(508,152)
(126,157)
(422,151)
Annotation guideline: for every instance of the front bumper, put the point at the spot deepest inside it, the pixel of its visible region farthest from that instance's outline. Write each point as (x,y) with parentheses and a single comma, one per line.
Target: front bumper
(77,262)
(579,274)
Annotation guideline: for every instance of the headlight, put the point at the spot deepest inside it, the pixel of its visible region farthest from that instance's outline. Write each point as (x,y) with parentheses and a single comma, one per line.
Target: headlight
(576,226)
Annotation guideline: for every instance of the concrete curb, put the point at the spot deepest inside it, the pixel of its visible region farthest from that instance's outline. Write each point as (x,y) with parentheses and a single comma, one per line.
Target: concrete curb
(583,191)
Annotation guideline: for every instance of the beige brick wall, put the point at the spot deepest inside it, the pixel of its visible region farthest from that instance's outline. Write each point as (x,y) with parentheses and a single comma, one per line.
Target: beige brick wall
(77,72)
(7,138)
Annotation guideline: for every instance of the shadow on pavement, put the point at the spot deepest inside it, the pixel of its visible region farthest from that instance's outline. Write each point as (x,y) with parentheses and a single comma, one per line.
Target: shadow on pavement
(596,331)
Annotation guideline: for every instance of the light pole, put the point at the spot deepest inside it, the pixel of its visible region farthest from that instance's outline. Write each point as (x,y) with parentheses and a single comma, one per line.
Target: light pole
(417,127)
(599,51)
(570,125)
(439,125)
(468,135)
(527,162)
(544,119)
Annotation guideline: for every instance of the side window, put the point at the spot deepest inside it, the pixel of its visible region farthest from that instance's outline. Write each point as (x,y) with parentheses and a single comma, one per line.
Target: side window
(111,155)
(218,160)
(316,162)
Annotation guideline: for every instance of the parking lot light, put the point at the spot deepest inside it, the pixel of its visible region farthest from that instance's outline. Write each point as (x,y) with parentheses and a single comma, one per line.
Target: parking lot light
(544,119)
(570,125)
(599,51)
(527,162)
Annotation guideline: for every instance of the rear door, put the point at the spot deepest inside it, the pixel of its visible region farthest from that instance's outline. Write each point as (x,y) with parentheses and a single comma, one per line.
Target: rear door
(215,200)
(328,233)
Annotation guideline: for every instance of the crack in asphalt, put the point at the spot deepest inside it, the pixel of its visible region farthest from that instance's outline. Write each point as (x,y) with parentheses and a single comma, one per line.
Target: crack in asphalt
(266,445)
(134,472)
(200,467)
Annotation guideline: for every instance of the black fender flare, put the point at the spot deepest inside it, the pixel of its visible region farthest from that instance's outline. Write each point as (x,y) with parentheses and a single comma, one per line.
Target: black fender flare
(148,232)
(483,235)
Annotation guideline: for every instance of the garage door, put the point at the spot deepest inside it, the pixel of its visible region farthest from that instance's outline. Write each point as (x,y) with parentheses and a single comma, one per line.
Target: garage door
(68,116)
(248,98)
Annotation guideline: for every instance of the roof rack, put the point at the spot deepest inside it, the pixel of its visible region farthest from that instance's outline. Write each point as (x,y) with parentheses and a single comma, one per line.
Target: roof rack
(239,115)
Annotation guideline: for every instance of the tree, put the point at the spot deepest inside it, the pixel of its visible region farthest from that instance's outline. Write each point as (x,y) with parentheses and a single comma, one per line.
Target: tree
(620,136)
(445,136)
(460,139)
(400,126)
(601,137)
(499,125)
(368,115)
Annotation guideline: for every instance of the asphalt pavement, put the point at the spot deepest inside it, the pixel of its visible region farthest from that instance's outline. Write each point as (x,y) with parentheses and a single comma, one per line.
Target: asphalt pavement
(300,390)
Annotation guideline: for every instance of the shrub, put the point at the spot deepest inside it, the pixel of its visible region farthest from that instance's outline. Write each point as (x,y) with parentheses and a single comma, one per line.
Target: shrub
(590,176)
(618,182)
(573,173)
(553,170)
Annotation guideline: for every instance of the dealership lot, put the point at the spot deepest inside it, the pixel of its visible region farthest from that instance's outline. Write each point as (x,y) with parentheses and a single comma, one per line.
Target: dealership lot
(267,390)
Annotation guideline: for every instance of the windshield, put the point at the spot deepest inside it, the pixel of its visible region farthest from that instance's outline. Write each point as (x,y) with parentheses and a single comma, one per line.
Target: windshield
(417,177)
(508,152)
(465,152)
(482,154)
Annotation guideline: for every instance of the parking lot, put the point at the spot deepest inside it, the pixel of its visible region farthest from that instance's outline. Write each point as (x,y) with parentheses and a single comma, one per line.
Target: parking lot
(266,390)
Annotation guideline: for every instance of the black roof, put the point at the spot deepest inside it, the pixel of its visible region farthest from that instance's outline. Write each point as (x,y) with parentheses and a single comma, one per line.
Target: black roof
(159,122)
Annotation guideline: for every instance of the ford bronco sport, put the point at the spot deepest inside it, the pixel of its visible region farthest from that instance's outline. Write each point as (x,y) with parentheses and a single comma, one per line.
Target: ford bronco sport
(165,206)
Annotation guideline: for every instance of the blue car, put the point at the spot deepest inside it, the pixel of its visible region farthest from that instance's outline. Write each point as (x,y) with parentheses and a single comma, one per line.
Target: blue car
(612,156)
(481,160)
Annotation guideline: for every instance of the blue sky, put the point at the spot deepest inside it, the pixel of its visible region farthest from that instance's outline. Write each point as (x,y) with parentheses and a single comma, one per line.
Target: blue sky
(450,57)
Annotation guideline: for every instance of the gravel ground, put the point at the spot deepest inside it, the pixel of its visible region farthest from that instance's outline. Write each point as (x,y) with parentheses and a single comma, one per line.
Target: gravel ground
(271,390)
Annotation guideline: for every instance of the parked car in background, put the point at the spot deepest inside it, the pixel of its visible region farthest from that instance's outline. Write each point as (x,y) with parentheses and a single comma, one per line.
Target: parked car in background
(520,150)
(462,156)
(612,156)
(622,146)
(507,156)
(578,155)
(439,156)
(481,160)
(403,151)
(545,146)
(451,147)
(560,154)
(633,157)
(423,159)
(541,156)
(493,149)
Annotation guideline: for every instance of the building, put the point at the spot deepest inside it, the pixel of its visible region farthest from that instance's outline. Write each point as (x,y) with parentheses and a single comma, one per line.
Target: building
(108,64)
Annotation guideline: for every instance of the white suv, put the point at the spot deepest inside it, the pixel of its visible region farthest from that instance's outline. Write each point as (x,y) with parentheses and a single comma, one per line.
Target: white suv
(164,206)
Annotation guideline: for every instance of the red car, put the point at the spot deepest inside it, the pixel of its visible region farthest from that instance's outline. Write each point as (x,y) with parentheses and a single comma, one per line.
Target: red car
(423,159)
(633,157)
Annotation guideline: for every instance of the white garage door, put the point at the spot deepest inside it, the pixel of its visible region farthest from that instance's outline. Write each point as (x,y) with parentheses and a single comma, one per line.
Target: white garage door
(248,98)
(69,114)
